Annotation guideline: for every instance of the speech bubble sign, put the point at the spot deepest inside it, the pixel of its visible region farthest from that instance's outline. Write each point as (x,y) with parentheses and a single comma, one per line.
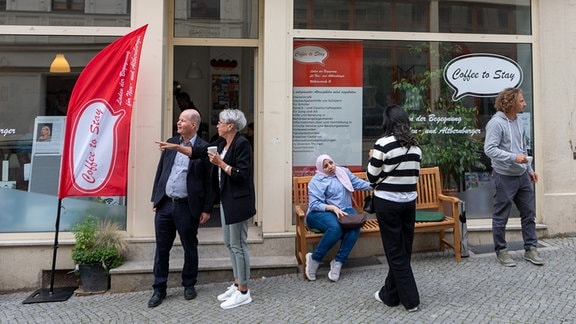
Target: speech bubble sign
(481,75)
(310,54)
(95,145)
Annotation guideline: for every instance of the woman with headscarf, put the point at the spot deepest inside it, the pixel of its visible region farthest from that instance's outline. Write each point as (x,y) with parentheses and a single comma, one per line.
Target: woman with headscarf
(394,168)
(329,196)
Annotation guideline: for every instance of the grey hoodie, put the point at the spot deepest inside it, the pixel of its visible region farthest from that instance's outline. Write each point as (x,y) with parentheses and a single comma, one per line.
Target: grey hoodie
(501,132)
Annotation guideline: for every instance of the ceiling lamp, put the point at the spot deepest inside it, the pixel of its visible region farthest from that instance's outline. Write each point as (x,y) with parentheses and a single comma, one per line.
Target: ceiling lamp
(59,65)
(194,71)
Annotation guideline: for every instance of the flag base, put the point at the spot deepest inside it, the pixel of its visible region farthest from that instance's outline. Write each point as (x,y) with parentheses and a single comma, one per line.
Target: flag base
(44,295)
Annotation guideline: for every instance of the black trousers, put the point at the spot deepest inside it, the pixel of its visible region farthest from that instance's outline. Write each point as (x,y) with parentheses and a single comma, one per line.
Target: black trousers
(396,221)
(171,218)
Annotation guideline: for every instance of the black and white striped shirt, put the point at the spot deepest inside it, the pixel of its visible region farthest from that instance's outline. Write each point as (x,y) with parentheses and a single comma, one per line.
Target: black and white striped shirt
(398,166)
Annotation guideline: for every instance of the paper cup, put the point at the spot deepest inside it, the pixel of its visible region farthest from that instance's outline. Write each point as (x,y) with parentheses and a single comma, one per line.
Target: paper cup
(530,159)
(213,149)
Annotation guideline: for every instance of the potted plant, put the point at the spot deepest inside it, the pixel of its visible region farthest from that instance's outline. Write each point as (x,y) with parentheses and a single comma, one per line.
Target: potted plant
(446,129)
(99,247)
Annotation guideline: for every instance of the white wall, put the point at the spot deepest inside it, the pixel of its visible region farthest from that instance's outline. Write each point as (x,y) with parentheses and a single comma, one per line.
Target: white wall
(146,117)
(275,119)
(555,115)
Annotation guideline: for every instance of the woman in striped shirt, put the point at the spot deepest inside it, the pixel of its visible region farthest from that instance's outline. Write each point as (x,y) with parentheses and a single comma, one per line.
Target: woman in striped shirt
(393,170)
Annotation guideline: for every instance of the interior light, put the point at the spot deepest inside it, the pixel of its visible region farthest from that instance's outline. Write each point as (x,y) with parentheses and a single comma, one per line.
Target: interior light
(59,65)
(194,71)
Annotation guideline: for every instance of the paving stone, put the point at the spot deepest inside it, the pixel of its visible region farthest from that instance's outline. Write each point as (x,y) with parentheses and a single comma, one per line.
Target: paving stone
(476,290)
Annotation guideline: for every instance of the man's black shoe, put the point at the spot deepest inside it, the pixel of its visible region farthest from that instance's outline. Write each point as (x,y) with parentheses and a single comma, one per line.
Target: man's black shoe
(157,298)
(189,293)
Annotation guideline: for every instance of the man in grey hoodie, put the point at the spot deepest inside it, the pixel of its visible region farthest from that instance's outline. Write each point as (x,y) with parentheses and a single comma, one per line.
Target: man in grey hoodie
(512,176)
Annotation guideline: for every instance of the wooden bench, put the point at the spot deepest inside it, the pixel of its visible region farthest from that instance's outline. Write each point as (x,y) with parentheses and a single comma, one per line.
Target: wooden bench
(430,199)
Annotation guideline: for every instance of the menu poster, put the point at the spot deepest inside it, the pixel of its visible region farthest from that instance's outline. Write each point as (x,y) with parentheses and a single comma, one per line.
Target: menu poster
(47,145)
(327,102)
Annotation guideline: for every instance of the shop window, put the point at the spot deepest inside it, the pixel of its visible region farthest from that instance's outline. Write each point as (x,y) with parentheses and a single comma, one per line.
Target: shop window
(496,17)
(204,9)
(216,19)
(414,78)
(485,18)
(450,129)
(68,5)
(33,107)
(112,13)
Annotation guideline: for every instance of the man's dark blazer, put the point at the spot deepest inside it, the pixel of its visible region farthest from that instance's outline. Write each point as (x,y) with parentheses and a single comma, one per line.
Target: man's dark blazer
(197,180)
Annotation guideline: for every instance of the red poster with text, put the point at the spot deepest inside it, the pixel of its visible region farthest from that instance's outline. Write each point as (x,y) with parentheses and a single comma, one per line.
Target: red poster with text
(97,134)
(328,64)
(327,103)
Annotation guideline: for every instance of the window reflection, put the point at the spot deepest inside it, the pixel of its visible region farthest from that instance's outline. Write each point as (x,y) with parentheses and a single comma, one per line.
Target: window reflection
(68,5)
(112,13)
(495,17)
(411,74)
(34,102)
(35,212)
(216,19)
(485,18)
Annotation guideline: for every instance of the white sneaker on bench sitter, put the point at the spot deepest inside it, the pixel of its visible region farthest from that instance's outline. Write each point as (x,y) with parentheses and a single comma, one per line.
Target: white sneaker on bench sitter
(311,267)
(335,268)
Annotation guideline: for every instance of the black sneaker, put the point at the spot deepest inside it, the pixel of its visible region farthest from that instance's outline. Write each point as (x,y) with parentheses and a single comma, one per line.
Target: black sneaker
(189,293)
(157,298)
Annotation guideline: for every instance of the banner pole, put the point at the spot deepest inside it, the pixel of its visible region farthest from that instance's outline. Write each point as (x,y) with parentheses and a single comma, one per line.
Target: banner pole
(52,294)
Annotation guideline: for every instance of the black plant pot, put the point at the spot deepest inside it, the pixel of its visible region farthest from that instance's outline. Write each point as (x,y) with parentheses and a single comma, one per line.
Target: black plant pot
(94,278)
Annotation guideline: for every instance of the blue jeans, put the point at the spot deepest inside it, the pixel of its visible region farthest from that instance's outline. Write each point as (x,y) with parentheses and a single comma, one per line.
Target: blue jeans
(518,190)
(327,222)
(236,240)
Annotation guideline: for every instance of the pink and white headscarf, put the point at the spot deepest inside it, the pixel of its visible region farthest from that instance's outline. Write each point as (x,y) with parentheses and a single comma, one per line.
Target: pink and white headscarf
(340,172)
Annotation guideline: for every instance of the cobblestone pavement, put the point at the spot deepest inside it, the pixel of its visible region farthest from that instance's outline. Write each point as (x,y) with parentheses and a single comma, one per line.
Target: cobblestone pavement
(477,290)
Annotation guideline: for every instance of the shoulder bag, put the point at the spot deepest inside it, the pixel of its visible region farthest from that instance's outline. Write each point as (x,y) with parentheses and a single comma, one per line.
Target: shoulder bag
(352,221)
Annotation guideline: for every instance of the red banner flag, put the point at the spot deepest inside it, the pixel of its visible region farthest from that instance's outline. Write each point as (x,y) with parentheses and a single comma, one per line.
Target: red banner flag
(97,135)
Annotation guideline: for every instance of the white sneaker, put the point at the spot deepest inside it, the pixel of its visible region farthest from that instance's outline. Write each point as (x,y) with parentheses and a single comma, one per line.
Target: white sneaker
(311,267)
(335,268)
(229,291)
(377,296)
(237,299)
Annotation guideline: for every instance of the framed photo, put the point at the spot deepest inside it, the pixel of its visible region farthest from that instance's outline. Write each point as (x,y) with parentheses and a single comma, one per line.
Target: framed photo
(48,135)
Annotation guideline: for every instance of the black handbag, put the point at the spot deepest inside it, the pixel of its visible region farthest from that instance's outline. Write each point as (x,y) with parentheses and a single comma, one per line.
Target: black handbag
(352,221)
(369,204)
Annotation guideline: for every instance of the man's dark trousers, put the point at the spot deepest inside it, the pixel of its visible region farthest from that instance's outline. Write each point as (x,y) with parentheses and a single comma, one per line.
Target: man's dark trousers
(172,217)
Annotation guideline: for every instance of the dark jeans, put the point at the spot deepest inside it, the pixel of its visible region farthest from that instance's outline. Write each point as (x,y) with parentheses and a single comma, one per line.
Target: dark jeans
(518,190)
(396,221)
(327,222)
(171,218)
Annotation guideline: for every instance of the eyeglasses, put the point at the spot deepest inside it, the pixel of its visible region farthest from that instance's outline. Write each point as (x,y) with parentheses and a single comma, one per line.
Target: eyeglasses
(223,123)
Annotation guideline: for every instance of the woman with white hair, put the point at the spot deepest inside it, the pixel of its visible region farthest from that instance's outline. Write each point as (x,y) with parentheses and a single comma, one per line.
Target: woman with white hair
(233,180)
